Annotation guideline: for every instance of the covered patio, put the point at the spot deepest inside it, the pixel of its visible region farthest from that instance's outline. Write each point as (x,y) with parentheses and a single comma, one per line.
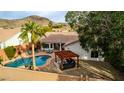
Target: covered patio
(55,41)
(65,55)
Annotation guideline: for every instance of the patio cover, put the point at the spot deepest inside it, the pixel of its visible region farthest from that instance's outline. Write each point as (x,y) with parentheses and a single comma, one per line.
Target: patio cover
(65,54)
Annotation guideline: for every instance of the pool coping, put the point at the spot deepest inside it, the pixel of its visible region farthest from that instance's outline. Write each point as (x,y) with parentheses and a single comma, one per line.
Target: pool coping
(48,62)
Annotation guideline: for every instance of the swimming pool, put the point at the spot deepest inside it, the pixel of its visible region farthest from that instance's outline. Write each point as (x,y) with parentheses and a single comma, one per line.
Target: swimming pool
(40,61)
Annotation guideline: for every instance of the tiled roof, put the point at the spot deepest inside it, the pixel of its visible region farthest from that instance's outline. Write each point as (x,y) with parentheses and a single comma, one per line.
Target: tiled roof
(5,34)
(72,42)
(60,37)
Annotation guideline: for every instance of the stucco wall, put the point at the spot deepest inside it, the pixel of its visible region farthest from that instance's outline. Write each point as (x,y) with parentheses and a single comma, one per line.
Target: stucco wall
(76,48)
(16,74)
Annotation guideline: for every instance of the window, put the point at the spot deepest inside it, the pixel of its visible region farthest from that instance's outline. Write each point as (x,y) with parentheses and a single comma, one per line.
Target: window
(45,45)
(94,54)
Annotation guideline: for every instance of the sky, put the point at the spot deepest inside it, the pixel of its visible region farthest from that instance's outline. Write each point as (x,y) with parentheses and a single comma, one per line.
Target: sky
(56,16)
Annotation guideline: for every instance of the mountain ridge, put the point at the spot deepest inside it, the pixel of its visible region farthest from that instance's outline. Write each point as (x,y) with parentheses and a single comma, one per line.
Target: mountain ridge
(14,23)
(17,23)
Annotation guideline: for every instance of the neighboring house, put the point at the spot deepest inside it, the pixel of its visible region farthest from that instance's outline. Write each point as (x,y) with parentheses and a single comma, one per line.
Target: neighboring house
(9,37)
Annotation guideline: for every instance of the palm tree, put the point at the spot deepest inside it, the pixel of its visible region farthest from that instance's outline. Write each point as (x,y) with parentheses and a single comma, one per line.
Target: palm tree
(32,32)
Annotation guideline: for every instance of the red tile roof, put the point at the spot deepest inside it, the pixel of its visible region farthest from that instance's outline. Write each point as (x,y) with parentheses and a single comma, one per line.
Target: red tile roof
(66,54)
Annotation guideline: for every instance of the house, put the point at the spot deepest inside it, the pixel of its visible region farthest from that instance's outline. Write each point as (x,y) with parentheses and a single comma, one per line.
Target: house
(9,37)
(83,54)
(69,41)
(52,41)
(56,40)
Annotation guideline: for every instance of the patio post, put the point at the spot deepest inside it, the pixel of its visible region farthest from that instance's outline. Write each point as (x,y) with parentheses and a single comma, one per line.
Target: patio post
(60,48)
(53,46)
(61,64)
(77,62)
(55,58)
(49,45)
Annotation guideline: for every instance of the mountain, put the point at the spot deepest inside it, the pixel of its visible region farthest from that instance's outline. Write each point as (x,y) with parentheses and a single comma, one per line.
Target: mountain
(15,23)
(5,23)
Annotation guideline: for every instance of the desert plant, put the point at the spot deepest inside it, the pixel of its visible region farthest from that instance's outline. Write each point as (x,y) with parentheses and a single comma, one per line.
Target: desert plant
(58,26)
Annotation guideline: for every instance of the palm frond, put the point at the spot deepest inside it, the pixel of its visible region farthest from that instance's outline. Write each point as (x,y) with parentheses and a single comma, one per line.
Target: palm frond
(35,30)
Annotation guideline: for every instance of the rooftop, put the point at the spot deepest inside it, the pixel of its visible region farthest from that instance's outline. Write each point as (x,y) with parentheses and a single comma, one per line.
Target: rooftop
(5,34)
(60,37)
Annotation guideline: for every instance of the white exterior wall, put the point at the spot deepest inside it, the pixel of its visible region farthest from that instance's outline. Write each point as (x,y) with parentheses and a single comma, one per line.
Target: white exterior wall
(76,48)
(13,41)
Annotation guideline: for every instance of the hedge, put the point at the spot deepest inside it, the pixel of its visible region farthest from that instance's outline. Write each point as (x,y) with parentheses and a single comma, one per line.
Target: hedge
(1,59)
(10,51)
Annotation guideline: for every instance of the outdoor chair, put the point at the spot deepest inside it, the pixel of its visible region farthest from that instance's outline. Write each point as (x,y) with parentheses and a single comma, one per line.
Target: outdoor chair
(49,51)
(69,64)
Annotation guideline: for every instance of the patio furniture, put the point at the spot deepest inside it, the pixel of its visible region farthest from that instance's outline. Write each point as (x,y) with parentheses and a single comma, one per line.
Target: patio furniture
(69,64)
(48,50)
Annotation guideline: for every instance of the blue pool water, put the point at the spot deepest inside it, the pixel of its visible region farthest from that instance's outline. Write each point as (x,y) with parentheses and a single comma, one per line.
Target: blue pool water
(40,60)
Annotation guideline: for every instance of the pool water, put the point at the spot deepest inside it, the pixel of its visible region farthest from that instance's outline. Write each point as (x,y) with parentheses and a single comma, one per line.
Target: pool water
(40,61)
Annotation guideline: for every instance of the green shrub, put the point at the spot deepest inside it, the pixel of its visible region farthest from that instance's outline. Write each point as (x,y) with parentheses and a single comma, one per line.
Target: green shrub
(58,26)
(1,60)
(10,51)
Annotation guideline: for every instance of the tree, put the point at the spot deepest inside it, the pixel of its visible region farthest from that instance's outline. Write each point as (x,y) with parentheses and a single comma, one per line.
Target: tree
(50,24)
(10,51)
(32,32)
(101,31)
(1,59)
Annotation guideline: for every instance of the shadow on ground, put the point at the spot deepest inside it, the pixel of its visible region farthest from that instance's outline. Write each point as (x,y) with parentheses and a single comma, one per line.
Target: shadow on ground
(95,69)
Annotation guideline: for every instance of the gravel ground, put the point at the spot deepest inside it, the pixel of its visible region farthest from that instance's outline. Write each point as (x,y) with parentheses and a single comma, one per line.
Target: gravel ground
(93,69)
